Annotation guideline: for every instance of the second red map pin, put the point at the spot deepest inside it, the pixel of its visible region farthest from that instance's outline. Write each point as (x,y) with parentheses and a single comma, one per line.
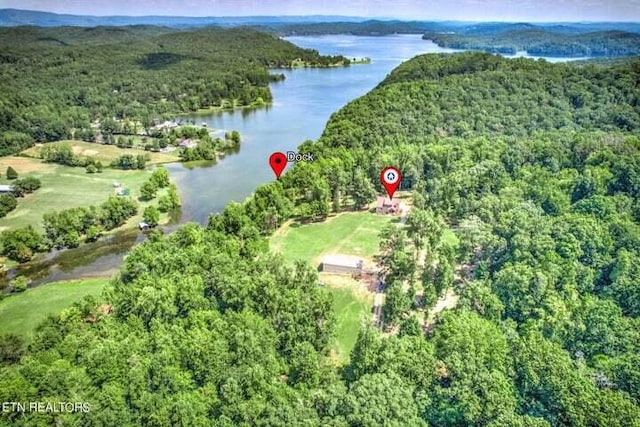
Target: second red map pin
(278,161)
(390,178)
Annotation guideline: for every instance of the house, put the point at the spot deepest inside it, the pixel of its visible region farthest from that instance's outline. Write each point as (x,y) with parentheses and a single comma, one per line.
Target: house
(188,143)
(6,188)
(342,264)
(167,124)
(385,206)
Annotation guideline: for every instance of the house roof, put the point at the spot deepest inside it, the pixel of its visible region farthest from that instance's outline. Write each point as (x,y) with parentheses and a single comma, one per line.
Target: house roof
(343,260)
(188,143)
(385,201)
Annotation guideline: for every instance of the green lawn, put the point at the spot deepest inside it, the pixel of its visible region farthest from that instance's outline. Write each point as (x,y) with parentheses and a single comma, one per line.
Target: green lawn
(350,311)
(64,187)
(105,153)
(21,313)
(353,233)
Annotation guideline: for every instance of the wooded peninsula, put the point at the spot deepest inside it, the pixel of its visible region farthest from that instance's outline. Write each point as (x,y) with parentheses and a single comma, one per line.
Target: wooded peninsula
(70,82)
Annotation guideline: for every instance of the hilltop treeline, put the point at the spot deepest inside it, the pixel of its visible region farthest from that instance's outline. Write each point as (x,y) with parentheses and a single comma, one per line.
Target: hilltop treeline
(58,83)
(208,328)
(375,27)
(544,43)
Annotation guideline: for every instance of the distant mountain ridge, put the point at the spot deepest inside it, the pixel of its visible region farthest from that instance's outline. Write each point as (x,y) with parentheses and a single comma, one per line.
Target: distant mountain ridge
(306,25)
(17,17)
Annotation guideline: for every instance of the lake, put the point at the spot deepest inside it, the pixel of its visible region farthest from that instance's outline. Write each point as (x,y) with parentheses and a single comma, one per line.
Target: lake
(302,105)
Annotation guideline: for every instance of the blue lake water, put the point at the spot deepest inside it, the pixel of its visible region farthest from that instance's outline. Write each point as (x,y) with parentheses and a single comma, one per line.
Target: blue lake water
(303,103)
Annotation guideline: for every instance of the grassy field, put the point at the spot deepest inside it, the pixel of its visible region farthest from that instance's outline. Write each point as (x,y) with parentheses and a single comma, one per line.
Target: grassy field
(352,233)
(21,313)
(104,153)
(352,305)
(63,187)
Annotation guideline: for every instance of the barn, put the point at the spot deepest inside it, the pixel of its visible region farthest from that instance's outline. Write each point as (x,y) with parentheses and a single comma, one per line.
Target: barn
(342,264)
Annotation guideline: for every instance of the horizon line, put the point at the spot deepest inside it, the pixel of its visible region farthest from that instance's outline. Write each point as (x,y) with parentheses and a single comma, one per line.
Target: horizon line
(319,15)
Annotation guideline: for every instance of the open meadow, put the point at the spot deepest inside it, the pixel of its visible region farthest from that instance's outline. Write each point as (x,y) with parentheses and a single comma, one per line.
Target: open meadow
(63,187)
(21,313)
(349,233)
(352,305)
(102,152)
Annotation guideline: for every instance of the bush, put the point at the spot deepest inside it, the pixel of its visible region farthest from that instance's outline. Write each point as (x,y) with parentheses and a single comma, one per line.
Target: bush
(161,177)
(61,154)
(148,190)
(11,173)
(8,203)
(26,186)
(94,232)
(21,244)
(92,169)
(19,284)
(151,216)
(129,161)
(12,348)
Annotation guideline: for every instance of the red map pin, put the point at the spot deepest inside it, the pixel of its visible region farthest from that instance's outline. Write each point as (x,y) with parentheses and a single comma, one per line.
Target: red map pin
(390,178)
(278,161)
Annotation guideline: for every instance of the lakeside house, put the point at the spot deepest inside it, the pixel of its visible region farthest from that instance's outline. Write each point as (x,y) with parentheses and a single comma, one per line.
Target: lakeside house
(6,189)
(386,206)
(167,124)
(342,264)
(188,143)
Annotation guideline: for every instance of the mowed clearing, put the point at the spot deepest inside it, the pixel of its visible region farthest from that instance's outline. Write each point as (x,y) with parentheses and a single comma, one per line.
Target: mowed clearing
(21,313)
(351,233)
(105,153)
(63,187)
(352,305)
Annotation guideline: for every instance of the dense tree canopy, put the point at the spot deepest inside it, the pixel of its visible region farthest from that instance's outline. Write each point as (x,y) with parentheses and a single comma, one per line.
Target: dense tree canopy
(56,82)
(207,327)
(543,42)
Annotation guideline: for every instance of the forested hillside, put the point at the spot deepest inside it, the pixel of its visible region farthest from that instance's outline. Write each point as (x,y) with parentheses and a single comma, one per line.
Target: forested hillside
(56,82)
(542,42)
(536,168)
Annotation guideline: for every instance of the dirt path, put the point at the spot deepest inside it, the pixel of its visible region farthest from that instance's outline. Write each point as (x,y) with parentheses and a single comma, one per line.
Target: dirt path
(377,306)
(379,297)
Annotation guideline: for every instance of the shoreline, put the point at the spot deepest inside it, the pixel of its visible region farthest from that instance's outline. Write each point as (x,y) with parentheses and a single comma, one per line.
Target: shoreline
(214,110)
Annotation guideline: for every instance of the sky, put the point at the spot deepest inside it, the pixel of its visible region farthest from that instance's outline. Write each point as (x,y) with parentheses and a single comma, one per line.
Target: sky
(469,10)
